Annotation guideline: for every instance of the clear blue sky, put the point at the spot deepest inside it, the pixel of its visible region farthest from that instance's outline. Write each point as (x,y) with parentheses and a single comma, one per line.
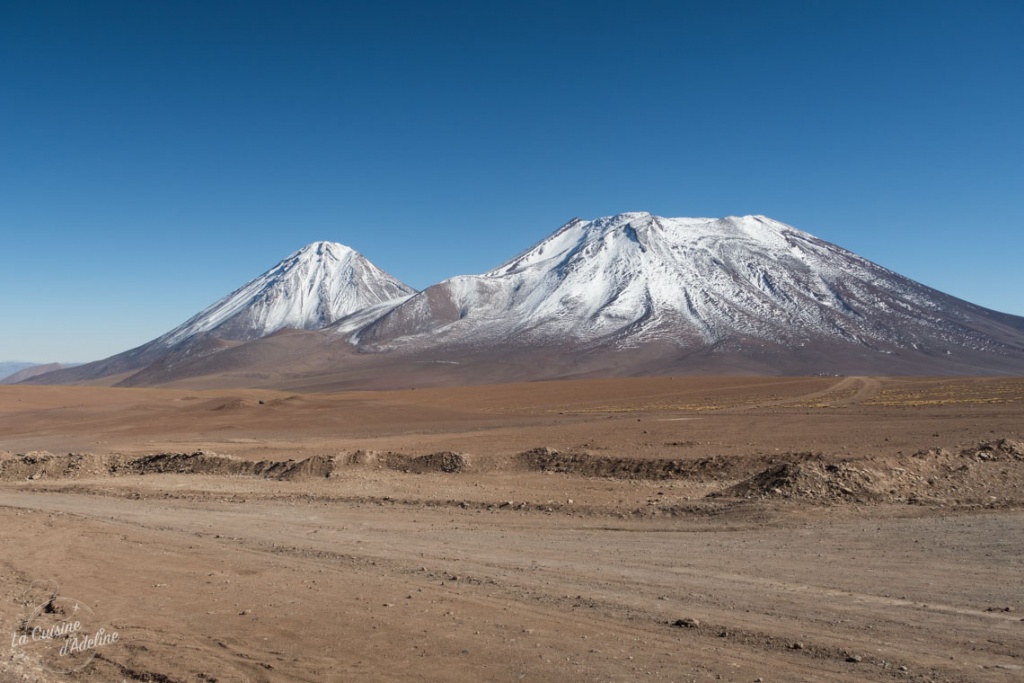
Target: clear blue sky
(155,155)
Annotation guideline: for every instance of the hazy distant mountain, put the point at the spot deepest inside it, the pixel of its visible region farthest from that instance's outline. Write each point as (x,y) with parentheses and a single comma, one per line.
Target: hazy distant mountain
(29,370)
(9,367)
(308,290)
(623,295)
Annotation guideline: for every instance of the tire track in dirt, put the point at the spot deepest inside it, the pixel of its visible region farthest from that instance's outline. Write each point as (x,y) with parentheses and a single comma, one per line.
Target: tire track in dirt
(869,388)
(864,389)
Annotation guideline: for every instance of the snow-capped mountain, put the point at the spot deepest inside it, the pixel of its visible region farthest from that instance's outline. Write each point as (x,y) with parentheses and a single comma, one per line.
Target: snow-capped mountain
(695,283)
(313,287)
(308,290)
(629,294)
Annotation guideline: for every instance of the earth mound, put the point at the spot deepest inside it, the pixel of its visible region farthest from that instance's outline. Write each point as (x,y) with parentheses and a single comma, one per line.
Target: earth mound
(40,465)
(988,473)
(585,464)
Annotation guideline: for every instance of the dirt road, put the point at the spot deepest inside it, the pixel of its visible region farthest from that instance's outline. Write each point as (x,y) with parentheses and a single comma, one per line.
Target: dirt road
(299,590)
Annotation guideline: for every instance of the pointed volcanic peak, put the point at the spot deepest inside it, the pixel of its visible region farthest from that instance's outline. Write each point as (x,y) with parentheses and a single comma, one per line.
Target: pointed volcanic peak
(313,287)
(699,286)
(308,290)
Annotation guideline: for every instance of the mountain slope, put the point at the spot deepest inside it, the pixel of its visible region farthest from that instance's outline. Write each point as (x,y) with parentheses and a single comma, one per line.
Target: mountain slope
(308,290)
(695,284)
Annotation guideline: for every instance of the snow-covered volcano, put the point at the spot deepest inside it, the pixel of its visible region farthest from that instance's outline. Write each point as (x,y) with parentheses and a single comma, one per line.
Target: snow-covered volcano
(634,278)
(630,294)
(310,289)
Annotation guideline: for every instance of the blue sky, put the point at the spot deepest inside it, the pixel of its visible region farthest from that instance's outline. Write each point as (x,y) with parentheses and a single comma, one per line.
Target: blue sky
(156,155)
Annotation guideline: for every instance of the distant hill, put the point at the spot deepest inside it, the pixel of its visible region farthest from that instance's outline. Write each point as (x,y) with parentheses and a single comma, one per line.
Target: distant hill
(9,367)
(29,370)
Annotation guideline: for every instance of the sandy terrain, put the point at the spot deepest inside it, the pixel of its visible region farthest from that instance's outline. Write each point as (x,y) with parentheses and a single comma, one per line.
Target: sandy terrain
(664,529)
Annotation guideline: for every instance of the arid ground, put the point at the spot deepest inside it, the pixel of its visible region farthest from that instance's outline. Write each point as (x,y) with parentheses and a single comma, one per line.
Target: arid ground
(661,529)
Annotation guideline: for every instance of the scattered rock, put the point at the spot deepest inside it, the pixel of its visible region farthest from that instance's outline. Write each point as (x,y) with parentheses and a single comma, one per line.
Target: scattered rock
(687,623)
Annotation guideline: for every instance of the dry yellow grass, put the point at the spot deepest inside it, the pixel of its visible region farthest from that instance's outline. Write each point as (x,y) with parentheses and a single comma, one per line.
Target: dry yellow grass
(951,392)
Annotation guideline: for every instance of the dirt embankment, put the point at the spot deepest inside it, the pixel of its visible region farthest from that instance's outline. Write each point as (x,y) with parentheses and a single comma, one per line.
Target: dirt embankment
(988,473)
(586,464)
(42,465)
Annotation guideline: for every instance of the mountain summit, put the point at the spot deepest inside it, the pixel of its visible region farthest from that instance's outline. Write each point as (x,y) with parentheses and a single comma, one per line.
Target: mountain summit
(629,294)
(747,287)
(310,289)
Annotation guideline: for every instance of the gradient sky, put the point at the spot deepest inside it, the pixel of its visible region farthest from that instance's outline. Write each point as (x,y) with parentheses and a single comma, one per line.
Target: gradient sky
(155,155)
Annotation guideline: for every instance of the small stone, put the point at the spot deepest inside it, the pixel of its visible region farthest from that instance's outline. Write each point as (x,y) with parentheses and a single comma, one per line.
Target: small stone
(853,659)
(687,623)
(797,646)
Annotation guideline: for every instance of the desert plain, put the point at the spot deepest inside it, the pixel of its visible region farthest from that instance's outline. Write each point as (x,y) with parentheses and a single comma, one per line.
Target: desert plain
(635,529)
